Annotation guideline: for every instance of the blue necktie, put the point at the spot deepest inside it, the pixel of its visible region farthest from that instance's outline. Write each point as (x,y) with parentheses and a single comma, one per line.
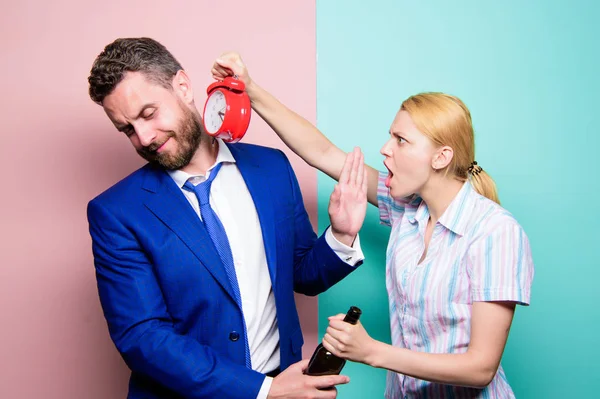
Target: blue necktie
(218,236)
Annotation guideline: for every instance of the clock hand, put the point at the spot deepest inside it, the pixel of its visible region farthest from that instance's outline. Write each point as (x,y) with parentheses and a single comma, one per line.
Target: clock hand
(221,114)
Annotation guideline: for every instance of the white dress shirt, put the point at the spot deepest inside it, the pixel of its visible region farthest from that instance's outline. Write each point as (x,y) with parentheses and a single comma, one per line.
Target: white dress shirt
(233,204)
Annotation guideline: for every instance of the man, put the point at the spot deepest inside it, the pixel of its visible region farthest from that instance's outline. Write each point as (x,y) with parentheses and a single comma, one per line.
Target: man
(197,289)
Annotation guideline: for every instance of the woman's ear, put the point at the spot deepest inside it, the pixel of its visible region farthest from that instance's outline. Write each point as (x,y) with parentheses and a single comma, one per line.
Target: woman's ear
(442,157)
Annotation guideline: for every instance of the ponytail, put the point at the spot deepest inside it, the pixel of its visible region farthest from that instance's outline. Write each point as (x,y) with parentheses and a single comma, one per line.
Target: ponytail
(482,182)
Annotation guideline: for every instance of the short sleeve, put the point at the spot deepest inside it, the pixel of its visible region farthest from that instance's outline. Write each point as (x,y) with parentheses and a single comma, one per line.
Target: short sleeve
(500,265)
(391,209)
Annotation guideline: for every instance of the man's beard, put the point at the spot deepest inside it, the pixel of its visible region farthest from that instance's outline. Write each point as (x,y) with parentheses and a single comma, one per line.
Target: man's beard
(188,137)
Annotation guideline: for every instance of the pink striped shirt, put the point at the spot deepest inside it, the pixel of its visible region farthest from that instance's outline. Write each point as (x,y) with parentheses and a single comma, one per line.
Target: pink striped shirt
(477,252)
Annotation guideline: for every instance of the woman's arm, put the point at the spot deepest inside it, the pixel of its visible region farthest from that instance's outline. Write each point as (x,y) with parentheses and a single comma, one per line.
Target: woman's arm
(297,133)
(476,367)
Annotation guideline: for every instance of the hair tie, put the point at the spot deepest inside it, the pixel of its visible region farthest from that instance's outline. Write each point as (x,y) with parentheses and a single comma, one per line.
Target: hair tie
(474,169)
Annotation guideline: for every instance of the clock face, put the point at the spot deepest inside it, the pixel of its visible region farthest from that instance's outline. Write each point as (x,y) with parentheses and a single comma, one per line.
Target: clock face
(214,112)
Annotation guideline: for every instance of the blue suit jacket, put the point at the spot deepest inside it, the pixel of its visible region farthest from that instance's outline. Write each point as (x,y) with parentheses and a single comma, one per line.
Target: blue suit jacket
(165,293)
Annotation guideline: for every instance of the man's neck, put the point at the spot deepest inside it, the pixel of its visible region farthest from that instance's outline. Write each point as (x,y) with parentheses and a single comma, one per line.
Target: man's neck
(204,157)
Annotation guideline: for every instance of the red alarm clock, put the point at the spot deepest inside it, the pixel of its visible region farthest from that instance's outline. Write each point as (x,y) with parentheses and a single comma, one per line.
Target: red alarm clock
(227,110)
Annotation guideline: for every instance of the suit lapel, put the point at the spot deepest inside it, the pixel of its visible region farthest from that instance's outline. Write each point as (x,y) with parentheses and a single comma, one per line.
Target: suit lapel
(257,182)
(168,203)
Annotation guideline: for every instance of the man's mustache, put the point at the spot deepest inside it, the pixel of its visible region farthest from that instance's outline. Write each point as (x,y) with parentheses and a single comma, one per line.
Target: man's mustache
(155,146)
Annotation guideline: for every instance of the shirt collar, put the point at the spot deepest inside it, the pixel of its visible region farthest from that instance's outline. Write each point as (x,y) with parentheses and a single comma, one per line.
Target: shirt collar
(224,155)
(455,218)
(416,209)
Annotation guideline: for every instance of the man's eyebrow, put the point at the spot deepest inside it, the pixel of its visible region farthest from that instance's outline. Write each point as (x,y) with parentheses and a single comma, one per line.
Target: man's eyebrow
(145,107)
(122,127)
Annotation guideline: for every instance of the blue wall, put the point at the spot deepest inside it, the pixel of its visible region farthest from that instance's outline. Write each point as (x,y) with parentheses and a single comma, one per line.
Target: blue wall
(528,71)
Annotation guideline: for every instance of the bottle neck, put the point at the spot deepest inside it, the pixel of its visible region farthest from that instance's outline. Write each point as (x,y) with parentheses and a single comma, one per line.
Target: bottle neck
(353,315)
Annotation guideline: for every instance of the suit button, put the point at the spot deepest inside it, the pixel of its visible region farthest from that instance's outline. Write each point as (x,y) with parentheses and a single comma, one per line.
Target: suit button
(234,336)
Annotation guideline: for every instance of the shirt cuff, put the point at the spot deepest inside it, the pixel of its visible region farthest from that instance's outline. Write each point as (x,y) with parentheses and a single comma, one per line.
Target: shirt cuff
(350,255)
(265,388)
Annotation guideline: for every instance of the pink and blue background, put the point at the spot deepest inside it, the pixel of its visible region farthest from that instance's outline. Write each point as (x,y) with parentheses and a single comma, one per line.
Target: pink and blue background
(528,72)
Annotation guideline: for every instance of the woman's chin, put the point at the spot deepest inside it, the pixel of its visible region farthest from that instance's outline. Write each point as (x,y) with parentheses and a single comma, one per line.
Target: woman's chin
(400,192)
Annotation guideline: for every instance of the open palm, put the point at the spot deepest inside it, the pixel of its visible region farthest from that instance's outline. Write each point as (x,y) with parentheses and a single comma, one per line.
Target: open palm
(348,202)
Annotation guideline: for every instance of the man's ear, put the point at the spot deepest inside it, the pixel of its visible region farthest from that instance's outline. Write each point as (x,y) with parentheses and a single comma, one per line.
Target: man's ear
(442,157)
(182,86)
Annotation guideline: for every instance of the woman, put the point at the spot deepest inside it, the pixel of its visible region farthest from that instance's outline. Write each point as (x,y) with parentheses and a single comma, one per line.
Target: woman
(457,262)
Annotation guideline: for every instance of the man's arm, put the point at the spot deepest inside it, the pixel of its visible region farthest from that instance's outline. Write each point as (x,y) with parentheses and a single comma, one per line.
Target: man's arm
(316,265)
(141,327)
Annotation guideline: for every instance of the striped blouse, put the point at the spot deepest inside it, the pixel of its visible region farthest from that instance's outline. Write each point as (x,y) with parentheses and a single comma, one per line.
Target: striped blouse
(477,252)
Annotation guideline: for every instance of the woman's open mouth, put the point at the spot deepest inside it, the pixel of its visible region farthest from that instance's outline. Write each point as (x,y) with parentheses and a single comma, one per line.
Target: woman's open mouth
(388,179)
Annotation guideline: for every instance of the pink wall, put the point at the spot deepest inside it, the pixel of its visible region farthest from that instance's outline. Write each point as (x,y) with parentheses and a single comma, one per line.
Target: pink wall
(59,150)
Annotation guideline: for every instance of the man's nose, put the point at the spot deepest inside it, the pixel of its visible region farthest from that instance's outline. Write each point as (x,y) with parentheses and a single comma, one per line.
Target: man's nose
(146,134)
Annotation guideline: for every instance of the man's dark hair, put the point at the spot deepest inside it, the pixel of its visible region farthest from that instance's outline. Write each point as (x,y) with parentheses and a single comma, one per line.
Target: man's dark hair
(124,55)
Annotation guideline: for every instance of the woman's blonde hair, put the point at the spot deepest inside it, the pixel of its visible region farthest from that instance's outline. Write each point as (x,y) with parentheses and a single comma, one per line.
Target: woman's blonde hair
(446,121)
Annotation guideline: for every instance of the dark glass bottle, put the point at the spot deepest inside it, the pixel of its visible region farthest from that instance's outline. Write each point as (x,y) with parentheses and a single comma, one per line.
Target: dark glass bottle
(324,362)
